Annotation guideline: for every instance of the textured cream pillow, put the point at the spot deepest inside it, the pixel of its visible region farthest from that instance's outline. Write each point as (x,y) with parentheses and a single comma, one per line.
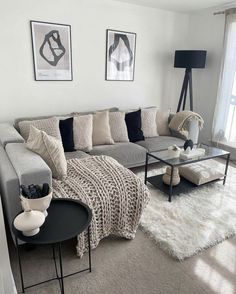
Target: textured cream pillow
(48,125)
(50,149)
(83,132)
(101,129)
(163,123)
(118,126)
(201,172)
(149,125)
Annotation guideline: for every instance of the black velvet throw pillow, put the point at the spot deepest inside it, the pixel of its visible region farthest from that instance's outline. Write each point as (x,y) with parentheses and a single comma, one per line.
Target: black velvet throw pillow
(66,130)
(133,123)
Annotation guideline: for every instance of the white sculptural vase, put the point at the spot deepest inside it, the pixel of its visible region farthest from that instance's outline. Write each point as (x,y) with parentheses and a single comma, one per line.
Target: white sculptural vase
(40,204)
(29,222)
(167,176)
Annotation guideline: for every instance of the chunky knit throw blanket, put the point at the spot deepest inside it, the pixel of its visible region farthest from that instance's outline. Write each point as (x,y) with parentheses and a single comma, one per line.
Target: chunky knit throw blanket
(116,196)
(180,119)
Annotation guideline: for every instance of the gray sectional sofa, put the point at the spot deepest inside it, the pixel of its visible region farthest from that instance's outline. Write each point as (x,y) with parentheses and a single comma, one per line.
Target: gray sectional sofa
(18,165)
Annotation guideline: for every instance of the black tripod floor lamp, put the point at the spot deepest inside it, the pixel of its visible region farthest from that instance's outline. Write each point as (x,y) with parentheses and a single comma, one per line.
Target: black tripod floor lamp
(188,59)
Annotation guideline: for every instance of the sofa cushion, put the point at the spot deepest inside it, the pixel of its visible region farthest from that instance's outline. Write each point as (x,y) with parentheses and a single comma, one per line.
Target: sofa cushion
(149,125)
(160,142)
(134,125)
(50,149)
(127,154)
(66,130)
(101,129)
(48,125)
(112,109)
(8,134)
(163,123)
(83,132)
(31,118)
(76,154)
(118,126)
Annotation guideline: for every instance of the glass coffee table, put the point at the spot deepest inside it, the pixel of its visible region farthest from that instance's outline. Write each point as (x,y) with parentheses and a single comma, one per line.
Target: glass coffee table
(184,185)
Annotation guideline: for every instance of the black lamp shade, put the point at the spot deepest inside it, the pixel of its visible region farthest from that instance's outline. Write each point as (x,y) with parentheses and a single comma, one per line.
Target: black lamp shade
(190,58)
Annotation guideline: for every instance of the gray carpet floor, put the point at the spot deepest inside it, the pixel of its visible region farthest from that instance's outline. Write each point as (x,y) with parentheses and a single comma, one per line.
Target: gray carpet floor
(138,266)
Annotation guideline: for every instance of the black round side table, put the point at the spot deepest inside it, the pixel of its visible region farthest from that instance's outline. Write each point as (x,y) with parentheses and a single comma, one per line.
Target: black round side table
(66,219)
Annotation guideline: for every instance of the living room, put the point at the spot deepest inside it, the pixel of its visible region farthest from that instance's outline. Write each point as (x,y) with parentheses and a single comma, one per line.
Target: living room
(63,62)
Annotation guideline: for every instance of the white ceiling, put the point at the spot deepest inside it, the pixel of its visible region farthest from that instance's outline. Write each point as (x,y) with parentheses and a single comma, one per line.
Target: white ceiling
(180,5)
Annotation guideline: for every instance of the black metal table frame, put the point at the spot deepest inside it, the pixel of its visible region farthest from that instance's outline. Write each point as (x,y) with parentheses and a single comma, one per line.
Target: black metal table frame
(59,276)
(181,164)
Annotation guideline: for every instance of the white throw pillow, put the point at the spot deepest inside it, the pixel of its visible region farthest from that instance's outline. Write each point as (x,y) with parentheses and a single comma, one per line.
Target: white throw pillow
(48,125)
(118,126)
(163,123)
(83,132)
(101,129)
(50,149)
(149,125)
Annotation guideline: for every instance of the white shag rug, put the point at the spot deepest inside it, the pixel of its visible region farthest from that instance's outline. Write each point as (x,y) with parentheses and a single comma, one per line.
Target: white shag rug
(194,221)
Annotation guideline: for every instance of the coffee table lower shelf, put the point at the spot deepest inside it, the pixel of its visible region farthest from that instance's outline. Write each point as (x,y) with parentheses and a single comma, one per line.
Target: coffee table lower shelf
(183,187)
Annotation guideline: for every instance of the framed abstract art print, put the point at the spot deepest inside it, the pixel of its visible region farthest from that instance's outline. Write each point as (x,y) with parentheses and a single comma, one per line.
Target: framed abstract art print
(120,55)
(51,43)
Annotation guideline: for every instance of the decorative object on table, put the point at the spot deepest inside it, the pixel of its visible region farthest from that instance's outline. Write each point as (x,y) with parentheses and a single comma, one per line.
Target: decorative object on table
(29,221)
(120,55)
(174,151)
(167,176)
(188,145)
(51,44)
(191,154)
(37,198)
(188,59)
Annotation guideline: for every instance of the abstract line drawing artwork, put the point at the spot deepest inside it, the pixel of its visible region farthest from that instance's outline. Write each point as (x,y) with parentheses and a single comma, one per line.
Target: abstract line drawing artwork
(120,56)
(52,56)
(57,51)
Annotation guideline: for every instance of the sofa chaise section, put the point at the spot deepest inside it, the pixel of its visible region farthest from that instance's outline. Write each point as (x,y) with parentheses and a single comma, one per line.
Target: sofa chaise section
(128,154)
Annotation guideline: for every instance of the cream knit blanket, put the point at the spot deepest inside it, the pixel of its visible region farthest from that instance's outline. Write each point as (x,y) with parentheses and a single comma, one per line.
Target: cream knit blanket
(180,119)
(115,195)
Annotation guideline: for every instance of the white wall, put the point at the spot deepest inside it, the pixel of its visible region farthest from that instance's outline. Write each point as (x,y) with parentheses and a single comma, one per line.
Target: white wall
(206,31)
(156,82)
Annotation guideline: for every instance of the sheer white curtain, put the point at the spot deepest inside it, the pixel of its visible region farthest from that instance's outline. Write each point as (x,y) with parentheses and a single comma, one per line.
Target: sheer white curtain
(224,124)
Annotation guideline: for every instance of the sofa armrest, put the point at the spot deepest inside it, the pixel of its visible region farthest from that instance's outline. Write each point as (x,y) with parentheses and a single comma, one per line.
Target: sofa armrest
(8,134)
(192,128)
(29,166)
(9,187)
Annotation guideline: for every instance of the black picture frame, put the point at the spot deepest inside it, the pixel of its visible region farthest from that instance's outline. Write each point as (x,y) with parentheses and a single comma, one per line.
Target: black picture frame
(114,74)
(46,69)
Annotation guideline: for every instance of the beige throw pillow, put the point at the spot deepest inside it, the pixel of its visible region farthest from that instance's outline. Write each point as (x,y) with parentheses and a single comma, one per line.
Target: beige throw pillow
(50,149)
(101,129)
(163,123)
(83,131)
(48,125)
(118,127)
(149,125)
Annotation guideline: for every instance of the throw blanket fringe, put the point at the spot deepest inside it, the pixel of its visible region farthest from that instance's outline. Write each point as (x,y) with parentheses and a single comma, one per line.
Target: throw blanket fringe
(116,196)
(180,119)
